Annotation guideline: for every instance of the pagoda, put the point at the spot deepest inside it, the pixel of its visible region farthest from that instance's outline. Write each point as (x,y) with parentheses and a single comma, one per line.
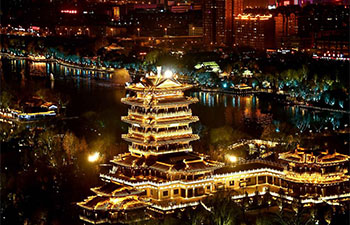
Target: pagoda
(160,163)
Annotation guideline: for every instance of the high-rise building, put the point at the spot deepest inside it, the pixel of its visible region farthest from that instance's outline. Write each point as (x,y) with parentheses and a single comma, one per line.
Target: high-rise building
(238,7)
(286,27)
(256,31)
(213,21)
(218,20)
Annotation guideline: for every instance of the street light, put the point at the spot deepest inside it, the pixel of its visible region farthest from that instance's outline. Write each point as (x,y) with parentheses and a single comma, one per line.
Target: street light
(232,158)
(166,31)
(138,32)
(94,157)
(193,28)
(168,74)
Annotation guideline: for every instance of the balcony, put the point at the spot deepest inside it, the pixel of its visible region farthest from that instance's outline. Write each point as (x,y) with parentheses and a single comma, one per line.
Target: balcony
(161,115)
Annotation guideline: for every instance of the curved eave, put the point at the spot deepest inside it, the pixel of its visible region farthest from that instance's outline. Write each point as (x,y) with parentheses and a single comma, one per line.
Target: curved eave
(315,163)
(319,182)
(149,152)
(168,123)
(189,138)
(158,89)
(135,102)
(186,171)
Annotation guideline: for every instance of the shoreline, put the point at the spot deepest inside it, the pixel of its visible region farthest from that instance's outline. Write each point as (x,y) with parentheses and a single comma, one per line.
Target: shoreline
(253,92)
(58,61)
(196,88)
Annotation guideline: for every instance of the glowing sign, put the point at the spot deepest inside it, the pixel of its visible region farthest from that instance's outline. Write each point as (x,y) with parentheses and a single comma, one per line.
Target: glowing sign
(69,11)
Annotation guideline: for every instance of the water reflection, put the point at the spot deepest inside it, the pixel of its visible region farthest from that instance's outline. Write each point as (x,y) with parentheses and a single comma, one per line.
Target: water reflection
(44,69)
(214,109)
(247,108)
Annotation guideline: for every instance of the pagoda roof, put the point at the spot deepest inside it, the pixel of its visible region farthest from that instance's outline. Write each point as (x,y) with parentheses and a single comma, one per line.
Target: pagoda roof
(105,203)
(129,160)
(248,166)
(160,103)
(317,157)
(170,162)
(189,167)
(115,190)
(160,123)
(170,140)
(158,83)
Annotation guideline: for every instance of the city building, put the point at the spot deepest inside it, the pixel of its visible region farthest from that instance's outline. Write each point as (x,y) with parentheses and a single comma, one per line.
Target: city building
(162,174)
(286,31)
(318,21)
(332,47)
(254,30)
(218,21)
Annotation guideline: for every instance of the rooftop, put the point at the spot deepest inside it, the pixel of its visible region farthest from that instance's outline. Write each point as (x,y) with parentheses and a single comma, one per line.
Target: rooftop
(309,156)
(170,162)
(158,84)
(248,166)
(115,190)
(105,203)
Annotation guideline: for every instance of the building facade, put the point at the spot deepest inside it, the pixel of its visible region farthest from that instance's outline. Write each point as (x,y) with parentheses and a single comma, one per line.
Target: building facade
(256,31)
(218,21)
(286,30)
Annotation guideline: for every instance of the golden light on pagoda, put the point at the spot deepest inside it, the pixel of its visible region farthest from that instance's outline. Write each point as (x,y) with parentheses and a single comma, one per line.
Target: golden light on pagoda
(168,74)
(232,158)
(94,157)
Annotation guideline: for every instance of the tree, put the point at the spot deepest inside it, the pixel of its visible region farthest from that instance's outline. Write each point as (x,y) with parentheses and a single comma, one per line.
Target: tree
(222,210)
(221,135)
(152,57)
(6,99)
(71,145)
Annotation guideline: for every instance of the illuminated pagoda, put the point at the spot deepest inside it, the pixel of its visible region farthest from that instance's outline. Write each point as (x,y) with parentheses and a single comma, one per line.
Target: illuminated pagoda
(160,159)
(316,173)
(160,162)
(161,173)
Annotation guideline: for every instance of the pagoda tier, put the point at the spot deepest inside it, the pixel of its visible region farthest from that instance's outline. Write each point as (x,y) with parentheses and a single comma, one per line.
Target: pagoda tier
(160,113)
(159,123)
(158,84)
(315,168)
(159,103)
(158,150)
(173,165)
(159,117)
(117,200)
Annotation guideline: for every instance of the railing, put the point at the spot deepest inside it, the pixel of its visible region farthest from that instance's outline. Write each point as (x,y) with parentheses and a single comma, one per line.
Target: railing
(178,206)
(162,133)
(189,148)
(162,115)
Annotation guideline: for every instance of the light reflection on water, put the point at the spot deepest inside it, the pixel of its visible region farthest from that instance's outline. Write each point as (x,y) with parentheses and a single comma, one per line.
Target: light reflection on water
(44,69)
(248,106)
(227,109)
